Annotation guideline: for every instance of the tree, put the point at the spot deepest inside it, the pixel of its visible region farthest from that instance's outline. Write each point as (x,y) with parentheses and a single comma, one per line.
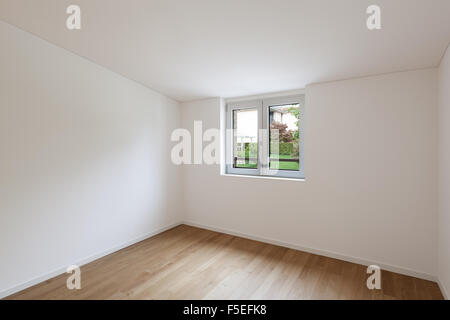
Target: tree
(284,134)
(295,112)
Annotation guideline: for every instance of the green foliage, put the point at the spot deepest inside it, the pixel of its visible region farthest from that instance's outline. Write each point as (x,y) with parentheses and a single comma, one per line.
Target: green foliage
(284,135)
(284,165)
(295,112)
(250,150)
(286,148)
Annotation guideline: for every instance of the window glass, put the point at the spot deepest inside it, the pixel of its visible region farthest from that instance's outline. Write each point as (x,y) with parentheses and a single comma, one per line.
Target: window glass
(284,137)
(245,135)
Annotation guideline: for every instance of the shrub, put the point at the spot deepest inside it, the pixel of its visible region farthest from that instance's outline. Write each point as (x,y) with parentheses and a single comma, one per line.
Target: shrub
(284,148)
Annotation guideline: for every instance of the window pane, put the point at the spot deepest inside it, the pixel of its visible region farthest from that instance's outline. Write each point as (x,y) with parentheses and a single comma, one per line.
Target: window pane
(284,137)
(245,144)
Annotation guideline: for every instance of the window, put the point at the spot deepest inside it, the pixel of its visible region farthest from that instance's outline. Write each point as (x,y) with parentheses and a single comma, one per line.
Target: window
(265,137)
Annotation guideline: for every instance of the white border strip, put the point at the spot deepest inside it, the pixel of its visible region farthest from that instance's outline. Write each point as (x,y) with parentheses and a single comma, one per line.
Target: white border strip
(443,289)
(59,271)
(383,266)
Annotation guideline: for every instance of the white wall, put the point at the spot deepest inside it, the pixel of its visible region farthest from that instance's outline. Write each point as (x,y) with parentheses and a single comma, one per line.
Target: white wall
(84,160)
(370,193)
(444,174)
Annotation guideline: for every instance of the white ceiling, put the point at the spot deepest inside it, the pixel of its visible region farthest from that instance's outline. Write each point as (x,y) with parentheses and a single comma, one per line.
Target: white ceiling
(192,49)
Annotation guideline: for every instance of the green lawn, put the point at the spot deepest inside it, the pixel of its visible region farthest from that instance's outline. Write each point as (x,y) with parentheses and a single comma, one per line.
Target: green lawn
(283,165)
(280,165)
(247,165)
(253,154)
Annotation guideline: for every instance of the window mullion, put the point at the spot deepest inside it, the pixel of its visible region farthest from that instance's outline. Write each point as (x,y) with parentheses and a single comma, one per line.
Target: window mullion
(263,141)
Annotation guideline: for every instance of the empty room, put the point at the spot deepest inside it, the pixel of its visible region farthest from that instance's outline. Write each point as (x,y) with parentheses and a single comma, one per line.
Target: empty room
(212,151)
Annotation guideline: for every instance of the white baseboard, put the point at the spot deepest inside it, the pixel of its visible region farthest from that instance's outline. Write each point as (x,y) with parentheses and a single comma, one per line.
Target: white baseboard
(443,289)
(365,262)
(61,270)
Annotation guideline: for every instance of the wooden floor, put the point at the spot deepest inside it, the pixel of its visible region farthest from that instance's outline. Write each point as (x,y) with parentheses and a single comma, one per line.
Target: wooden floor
(192,263)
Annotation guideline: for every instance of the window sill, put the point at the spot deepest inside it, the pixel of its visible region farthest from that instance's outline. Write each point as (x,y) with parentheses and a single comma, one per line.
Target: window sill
(262,177)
